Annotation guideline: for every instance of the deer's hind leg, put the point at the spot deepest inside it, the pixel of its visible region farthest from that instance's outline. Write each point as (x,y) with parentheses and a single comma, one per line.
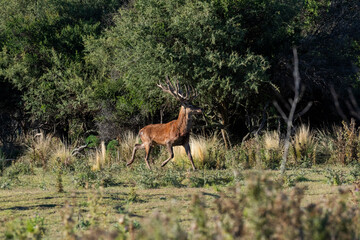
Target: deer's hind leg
(137,146)
(147,154)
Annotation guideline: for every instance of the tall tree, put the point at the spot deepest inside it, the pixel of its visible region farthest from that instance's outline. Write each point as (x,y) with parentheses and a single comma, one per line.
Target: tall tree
(42,57)
(221,47)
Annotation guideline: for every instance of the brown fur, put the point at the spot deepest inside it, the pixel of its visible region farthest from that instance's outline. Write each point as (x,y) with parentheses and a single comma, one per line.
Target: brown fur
(174,133)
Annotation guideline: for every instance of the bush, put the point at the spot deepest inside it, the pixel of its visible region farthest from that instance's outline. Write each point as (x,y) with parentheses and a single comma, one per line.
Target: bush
(335,177)
(92,141)
(112,150)
(85,176)
(61,155)
(19,167)
(127,142)
(251,153)
(346,143)
(33,228)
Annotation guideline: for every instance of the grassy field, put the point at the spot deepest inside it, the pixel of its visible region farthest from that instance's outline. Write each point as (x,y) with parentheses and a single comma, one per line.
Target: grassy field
(37,195)
(52,192)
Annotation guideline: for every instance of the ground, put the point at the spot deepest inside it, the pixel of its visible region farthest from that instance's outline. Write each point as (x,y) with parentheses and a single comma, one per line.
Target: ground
(36,195)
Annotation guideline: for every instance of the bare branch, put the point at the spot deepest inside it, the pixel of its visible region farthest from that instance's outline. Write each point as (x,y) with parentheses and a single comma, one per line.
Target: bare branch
(298,90)
(282,113)
(337,104)
(302,112)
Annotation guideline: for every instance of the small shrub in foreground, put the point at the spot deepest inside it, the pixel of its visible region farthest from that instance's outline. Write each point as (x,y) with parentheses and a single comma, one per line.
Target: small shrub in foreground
(33,228)
(260,210)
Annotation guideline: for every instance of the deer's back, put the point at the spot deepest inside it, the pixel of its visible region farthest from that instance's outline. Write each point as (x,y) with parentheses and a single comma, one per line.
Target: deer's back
(161,133)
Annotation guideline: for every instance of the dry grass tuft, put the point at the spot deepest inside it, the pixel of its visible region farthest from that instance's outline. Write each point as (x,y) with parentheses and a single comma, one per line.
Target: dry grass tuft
(98,158)
(272,140)
(205,152)
(273,149)
(62,154)
(40,148)
(127,141)
(304,146)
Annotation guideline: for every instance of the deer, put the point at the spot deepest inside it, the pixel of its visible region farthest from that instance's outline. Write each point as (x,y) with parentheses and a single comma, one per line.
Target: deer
(174,133)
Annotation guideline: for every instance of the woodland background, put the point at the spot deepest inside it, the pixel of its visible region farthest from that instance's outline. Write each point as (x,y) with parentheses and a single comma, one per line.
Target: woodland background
(78,80)
(74,68)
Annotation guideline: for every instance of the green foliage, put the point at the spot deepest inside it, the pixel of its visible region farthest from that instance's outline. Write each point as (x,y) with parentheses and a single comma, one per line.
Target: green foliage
(146,178)
(355,172)
(85,176)
(92,141)
(10,175)
(59,178)
(217,46)
(133,196)
(41,52)
(33,228)
(261,210)
(113,149)
(335,177)
(18,168)
(176,178)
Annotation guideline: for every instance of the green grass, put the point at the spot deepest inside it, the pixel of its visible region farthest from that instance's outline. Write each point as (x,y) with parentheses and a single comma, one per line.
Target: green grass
(36,195)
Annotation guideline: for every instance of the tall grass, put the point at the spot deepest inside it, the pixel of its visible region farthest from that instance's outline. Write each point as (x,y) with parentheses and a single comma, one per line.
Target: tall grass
(206,152)
(127,141)
(62,154)
(40,147)
(347,142)
(325,146)
(273,148)
(341,145)
(304,146)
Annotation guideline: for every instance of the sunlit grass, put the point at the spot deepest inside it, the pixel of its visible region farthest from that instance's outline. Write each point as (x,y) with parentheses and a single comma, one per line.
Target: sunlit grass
(127,141)
(304,145)
(40,147)
(202,150)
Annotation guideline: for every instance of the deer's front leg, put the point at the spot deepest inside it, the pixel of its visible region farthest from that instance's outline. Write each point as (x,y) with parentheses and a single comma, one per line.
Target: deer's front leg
(188,152)
(170,149)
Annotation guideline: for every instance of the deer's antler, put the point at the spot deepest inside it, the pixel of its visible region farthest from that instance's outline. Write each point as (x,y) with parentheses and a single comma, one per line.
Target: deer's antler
(175,90)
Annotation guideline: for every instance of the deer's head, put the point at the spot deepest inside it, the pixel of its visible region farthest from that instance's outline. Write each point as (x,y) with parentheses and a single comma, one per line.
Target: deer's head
(185,98)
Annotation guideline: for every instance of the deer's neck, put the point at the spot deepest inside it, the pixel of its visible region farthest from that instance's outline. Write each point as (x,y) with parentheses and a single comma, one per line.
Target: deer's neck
(184,122)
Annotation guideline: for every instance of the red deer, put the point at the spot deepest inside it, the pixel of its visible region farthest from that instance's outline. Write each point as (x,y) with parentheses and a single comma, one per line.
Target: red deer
(174,133)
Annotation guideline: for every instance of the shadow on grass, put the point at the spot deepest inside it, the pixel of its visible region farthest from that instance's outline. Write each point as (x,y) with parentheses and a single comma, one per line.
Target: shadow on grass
(22,208)
(211,195)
